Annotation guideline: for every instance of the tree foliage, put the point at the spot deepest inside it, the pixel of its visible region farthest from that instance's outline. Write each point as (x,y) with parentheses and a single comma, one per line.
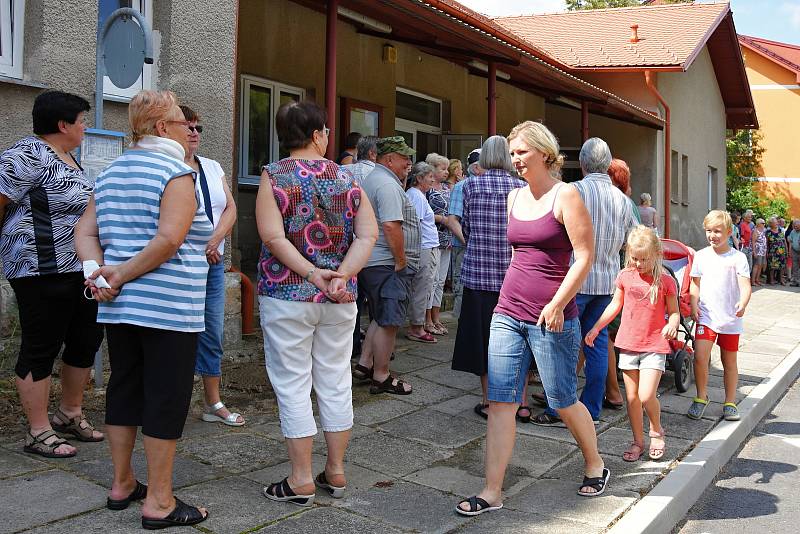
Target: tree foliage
(575,5)
(745,153)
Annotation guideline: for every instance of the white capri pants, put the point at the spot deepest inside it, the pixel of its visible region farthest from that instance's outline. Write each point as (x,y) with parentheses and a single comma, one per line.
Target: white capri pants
(305,344)
(441,277)
(422,285)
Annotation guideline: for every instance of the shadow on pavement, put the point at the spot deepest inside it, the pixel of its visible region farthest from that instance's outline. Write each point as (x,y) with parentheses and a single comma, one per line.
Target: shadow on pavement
(745,468)
(740,503)
(781,427)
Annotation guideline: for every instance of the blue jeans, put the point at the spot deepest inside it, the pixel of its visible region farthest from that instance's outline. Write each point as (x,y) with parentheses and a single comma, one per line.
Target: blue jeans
(513,344)
(209,342)
(590,308)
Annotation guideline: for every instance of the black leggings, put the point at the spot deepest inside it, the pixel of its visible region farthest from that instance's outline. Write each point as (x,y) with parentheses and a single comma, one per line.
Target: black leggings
(152,375)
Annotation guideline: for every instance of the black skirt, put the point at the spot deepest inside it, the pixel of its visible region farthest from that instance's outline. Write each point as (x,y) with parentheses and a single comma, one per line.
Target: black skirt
(471,352)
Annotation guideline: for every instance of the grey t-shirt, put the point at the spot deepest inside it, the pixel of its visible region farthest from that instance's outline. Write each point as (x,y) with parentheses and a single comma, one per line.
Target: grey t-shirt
(391,204)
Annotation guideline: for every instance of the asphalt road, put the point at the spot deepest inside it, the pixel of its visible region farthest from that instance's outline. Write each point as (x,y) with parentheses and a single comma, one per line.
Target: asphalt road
(757,491)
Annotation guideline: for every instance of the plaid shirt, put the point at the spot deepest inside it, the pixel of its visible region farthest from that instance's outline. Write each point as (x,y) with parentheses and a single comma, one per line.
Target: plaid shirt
(612,217)
(484,222)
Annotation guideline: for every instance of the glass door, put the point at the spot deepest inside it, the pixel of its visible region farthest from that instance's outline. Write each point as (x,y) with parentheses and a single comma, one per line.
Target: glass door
(458,146)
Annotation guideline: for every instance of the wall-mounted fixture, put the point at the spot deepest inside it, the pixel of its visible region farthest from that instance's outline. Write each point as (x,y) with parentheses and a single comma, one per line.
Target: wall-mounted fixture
(389,54)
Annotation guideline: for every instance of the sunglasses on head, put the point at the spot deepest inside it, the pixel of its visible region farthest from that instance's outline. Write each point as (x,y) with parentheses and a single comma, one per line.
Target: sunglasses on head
(198,128)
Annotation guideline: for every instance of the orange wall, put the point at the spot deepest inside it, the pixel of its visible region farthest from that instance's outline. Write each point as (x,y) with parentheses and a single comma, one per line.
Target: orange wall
(778,113)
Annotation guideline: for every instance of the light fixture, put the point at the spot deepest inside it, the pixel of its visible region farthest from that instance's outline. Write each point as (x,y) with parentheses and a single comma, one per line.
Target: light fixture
(364,20)
(483,67)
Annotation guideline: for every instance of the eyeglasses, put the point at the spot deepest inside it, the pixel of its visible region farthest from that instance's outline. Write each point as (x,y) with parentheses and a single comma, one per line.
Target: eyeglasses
(326,130)
(183,123)
(198,128)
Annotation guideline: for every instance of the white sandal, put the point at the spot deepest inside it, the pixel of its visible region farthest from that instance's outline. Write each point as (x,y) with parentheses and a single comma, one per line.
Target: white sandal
(210,416)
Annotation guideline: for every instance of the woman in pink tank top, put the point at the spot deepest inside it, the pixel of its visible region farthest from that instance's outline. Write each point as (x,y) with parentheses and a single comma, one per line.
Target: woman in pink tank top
(536,315)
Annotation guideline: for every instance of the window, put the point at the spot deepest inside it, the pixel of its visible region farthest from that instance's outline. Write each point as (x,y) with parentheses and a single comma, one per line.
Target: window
(418,118)
(712,188)
(105,9)
(12,24)
(259,141)
(685,180)
(675,185)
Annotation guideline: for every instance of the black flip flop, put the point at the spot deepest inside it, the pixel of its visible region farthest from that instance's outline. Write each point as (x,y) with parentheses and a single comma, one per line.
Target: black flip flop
(597,483)
(480,409)
(477,506)
(182,516)
(138,493)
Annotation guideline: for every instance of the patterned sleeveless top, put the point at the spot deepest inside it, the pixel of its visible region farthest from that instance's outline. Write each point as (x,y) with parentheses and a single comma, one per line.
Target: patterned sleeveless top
(128,202)
(318,201)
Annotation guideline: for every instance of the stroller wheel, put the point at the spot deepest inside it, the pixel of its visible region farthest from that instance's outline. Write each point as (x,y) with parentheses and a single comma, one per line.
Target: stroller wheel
(682,366)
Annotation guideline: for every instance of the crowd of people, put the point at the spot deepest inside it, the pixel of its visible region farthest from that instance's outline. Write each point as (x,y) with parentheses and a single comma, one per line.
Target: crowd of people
(772,247)
(539,268)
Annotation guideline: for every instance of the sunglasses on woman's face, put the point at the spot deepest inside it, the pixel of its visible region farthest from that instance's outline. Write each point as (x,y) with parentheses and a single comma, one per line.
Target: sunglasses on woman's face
(198,128)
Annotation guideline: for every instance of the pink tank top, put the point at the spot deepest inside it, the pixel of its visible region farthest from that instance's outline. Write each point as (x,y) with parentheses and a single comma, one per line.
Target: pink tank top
(542,254)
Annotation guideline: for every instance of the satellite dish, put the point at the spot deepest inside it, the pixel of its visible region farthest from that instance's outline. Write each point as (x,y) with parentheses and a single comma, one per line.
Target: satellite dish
(124,51)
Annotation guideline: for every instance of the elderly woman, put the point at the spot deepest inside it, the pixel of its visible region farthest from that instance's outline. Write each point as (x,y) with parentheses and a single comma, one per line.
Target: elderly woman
(43,192)
(439,199)
(318,231)
(536,314)
(647,213)
(776,252)
(213,191)
(759,247)
(148,230)
(455,172)
(420,180)
(483,221)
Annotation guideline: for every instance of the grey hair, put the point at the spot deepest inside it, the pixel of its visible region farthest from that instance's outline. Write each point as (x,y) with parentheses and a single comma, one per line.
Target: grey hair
(435,159)
(748,213)
(760,221)
(595,156)
(365,145)
(645,197)
(773,218)
(418,170)
(495,154)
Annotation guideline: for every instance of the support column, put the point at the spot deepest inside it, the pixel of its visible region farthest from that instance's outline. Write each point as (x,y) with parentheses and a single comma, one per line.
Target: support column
(330,74)
(584,121)
(492,98)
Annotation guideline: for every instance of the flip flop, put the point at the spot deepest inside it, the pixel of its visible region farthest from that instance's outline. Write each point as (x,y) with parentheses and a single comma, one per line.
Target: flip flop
(480,409)
(425,338)
(633,453)
(138,493)
(477,506)
(657,453)
(597,483)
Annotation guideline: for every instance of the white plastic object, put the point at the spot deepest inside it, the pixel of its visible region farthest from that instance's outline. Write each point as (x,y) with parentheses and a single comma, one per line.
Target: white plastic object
(90,266)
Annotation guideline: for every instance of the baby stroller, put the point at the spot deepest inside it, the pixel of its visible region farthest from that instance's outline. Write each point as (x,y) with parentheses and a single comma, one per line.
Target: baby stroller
(678,263)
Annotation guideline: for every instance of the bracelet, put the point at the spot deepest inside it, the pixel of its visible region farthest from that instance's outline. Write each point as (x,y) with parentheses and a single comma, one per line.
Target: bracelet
(310,273)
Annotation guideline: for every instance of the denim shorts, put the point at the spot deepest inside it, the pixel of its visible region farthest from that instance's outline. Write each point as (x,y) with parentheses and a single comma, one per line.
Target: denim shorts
(512,345)
(388,293)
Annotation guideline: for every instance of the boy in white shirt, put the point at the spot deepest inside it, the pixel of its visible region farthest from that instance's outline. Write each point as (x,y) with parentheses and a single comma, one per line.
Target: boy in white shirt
(718,304)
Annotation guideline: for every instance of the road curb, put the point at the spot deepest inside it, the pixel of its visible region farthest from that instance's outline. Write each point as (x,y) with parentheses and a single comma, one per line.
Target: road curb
(668,502)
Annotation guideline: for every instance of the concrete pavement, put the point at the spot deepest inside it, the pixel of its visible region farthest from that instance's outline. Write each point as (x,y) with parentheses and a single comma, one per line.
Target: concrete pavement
(411,458)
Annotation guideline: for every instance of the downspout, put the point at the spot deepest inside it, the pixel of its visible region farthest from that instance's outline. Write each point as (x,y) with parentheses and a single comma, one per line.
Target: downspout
(248,302)
(330,74)
(649,79)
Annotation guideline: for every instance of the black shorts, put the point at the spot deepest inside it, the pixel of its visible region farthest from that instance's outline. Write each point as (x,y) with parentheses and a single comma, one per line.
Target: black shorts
(53,313)
(387,293)
(152,375)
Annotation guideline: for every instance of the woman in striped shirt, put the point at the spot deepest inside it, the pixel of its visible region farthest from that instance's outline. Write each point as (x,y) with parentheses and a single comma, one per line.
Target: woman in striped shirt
(148,231)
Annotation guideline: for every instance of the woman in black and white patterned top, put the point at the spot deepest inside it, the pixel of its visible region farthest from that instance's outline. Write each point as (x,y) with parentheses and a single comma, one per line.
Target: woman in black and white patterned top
(43,193)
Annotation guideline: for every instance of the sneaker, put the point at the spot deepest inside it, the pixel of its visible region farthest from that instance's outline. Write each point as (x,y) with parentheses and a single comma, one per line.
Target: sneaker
(698,408)
(730,412)
(545,419)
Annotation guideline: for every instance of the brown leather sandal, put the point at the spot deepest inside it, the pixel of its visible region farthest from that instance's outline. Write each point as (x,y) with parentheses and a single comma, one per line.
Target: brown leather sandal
(36,445)
(78,427)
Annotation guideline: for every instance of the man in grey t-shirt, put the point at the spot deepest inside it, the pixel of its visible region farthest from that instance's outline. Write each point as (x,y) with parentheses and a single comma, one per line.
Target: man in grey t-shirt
(386,279)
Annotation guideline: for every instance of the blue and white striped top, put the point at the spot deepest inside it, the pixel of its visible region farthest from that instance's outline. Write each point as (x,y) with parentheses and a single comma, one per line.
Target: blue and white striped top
(127,202)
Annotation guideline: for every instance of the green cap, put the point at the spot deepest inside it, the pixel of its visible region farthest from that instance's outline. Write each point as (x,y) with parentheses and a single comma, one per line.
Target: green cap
(387,145)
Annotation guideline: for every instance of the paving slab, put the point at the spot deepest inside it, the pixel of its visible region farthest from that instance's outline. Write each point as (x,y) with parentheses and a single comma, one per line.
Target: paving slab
(559,499)
(408,362)
(443,374)
(97,522)
(235,505)
(615,441)
(358,478)
(13,463)
(186,470)
(717,393)
(680,426)
(462,406)
(38,498)
(392,455)
(676,404)
(382,409)
(328,520)
(235,453)
(409,506)
(448,479)
(514,522)
(436,428)
(426,392)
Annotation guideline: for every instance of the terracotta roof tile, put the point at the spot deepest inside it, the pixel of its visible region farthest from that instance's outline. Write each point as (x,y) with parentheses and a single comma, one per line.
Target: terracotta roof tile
(787,55)
(670,35)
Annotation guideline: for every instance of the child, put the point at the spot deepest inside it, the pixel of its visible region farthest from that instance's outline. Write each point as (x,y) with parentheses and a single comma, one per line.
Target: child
(646,295)
(720,293)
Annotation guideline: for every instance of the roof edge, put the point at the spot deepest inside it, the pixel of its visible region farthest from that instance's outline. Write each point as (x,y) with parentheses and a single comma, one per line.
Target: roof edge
(704,41)
(770,55)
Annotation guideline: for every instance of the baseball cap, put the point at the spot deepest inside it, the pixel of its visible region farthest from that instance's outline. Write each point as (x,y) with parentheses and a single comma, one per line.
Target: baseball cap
(474,156)
(387,145)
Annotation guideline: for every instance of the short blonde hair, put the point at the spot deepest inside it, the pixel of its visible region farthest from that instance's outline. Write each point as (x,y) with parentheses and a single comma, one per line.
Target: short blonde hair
(147,108)
(451,169)
(537,135)
(716,217)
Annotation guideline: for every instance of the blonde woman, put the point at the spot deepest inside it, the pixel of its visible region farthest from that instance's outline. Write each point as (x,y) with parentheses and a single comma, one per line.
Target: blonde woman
(455,172)
(439,200)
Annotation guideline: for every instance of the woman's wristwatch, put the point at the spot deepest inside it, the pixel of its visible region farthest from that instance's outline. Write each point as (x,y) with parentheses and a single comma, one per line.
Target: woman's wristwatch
(310,274)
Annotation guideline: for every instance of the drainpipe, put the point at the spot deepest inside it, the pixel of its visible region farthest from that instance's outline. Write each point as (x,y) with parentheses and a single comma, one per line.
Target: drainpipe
(584,121)
(492,98)
(650,78)
(248,302)
(330,74)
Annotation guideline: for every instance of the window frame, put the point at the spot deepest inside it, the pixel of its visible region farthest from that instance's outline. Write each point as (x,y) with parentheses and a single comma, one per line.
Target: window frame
(275,89)
(115,94)
(13,29)
(685,185)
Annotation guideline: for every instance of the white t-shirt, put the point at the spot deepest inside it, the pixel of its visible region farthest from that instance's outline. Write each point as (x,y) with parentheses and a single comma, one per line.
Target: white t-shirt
(216,191)
(719,288)
(427,226)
